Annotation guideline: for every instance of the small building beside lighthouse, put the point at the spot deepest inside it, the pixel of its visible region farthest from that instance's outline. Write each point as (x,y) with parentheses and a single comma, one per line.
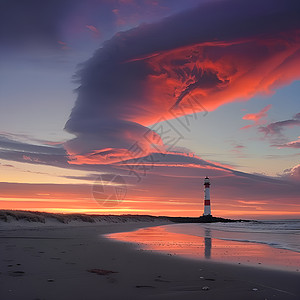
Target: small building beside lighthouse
(207,209)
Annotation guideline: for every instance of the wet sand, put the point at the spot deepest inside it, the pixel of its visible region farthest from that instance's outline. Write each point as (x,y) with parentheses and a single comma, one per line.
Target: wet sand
(78,263)
(164,239)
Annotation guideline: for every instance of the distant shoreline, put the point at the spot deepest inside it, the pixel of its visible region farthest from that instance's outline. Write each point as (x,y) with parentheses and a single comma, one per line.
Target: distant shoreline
(43,217)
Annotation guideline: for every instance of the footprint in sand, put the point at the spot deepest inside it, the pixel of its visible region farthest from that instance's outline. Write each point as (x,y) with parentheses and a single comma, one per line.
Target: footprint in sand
(17,273)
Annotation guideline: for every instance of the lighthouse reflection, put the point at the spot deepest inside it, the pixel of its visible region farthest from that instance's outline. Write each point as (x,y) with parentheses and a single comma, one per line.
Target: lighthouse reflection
(207,243)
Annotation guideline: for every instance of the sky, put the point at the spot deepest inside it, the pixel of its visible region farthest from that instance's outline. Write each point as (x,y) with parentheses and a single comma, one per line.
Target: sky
(124,106)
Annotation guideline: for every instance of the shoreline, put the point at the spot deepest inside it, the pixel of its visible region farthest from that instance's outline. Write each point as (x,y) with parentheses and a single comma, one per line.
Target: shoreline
(58,263)
(43,217)
(164,240)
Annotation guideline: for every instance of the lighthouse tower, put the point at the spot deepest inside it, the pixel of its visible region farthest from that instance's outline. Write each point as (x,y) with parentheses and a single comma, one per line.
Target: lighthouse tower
(207,211)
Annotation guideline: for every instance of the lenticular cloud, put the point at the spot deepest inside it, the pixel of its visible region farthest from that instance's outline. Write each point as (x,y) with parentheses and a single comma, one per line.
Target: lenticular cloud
(219,52)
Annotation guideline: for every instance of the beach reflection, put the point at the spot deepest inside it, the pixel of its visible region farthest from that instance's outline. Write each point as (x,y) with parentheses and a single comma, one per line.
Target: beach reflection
(208,247)
(207,243)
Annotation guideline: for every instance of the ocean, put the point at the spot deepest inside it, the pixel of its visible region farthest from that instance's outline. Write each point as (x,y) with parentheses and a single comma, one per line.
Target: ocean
(274,244)
(282,234)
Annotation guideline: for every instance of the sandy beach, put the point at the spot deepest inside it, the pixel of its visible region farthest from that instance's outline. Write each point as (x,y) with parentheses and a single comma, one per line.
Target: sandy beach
(77,262)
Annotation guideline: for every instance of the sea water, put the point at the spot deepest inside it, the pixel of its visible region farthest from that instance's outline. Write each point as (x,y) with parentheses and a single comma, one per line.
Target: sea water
(282,234)
(274,244)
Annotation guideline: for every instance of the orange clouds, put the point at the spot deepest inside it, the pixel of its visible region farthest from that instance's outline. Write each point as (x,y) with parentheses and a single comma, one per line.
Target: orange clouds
(257,117)
(217,73)
(184,81)
(174,187)
(100,157)
(190,62)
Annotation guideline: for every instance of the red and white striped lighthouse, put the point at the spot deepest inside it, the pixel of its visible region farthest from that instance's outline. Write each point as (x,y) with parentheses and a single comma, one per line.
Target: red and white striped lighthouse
(207,211)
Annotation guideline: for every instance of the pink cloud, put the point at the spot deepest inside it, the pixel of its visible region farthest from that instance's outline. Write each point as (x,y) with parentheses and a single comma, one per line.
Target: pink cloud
(257,118)
(293,144)
(100,157)
(293,173)
(31,159)
(93,29)
(237,149)
(63,45)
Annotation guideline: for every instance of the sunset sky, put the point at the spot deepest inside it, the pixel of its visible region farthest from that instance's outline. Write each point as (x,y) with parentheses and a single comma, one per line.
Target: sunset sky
(124,106)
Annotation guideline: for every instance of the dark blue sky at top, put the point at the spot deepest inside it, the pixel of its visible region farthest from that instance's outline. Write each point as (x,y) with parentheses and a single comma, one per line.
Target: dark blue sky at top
(33,24)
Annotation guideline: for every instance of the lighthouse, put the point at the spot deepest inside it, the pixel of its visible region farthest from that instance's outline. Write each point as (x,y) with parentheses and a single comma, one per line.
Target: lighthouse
(207,211)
